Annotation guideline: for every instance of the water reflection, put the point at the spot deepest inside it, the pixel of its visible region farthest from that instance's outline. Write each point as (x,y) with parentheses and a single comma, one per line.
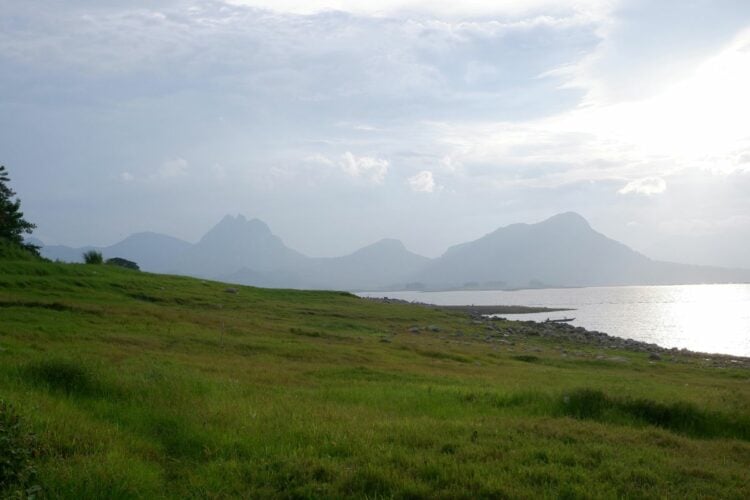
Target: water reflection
(708,318)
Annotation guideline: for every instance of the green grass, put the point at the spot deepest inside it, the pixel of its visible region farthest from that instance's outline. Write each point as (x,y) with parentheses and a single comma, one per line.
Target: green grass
(139,385)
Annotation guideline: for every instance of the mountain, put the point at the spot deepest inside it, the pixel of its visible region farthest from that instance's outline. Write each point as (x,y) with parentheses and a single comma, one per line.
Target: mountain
(65,253)
(383,264)
(152,252)
(236,243)
(726,247)
(561,251)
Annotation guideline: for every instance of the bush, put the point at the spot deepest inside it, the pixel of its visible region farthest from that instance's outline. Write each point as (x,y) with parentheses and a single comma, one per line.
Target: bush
(127,264)
(93,257)
(17,451)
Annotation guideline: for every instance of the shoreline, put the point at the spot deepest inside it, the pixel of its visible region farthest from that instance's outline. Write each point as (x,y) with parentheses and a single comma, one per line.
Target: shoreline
(575,334)
(593,338)
(472,309)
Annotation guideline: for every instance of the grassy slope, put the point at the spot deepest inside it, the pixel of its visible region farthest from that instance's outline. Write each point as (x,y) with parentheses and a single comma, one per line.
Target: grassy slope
(133,390)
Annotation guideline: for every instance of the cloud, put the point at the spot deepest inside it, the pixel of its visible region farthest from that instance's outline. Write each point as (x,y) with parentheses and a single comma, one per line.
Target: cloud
(319,159)
(398,67)
(170,169)
(696,123)
(647,186)
(466,8)
(423,182)
(372,169)
(126,177)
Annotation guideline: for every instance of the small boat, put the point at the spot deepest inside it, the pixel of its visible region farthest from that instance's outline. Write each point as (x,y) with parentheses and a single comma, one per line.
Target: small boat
(561,320)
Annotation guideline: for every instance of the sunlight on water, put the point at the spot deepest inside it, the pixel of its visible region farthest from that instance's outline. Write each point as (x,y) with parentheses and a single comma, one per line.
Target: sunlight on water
(707,318)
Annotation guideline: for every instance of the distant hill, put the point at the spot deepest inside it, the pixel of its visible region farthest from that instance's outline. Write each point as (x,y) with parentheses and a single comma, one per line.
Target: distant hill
(727,247)
(65,253)
(561,251)
(152,252)
(237,243)
(380,265)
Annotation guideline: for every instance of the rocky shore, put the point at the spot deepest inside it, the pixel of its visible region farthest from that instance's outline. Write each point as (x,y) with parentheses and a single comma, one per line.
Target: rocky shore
(603,341)
(500,331)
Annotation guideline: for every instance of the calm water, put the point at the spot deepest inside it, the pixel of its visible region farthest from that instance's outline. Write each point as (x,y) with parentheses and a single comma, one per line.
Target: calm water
(707,318)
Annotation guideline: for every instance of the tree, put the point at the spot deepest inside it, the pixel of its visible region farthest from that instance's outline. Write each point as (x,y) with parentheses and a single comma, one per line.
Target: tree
(119,261)
(93,257)
(12,224)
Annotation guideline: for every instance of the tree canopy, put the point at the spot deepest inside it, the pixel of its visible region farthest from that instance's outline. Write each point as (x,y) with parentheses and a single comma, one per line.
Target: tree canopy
(13,226)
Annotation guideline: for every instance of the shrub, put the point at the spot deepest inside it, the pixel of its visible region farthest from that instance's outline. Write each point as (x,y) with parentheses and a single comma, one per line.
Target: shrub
(119,261)
(93,257)
(17,451)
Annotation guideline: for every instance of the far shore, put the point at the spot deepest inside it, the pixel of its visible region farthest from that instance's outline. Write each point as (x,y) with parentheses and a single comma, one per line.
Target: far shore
(475,310)
(485,310)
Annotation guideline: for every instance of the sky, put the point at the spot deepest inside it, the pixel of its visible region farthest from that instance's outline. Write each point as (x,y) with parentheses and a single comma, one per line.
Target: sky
(341,122)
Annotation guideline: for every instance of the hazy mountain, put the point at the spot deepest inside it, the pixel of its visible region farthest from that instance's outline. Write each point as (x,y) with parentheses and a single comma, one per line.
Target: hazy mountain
(560,251)
(725,248)
(382,264)
(65,253)
(151,251)
(233,244)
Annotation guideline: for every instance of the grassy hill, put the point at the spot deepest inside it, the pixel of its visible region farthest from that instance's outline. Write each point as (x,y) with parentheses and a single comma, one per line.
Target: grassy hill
(141,385)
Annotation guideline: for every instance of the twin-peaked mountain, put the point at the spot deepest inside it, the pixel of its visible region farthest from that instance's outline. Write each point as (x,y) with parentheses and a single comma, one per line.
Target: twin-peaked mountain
(561,251)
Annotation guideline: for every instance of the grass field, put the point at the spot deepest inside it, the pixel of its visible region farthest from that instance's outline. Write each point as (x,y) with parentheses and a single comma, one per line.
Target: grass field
(127,384)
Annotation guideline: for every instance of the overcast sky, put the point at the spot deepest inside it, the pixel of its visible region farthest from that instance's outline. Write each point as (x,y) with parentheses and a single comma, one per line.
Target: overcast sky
(340,122)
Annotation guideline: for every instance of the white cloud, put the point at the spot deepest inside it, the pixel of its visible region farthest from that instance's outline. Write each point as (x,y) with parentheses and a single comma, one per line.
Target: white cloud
(647,186)
(372,169)
(319,159)
(172,168)
(126,177)
(696,123)
(700,116)
(466,8)
(423,182)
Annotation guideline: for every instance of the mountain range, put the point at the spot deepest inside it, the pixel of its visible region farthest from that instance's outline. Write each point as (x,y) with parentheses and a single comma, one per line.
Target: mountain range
(563,250)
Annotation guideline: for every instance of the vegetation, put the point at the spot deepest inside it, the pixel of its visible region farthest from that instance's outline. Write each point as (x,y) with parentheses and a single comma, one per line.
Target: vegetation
(17,450)
(13,226)
(140,385)
(119,261)
(93,257)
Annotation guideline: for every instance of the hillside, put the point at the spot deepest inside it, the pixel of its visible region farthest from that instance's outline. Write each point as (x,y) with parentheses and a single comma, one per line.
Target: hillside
(563,250)
(141,385)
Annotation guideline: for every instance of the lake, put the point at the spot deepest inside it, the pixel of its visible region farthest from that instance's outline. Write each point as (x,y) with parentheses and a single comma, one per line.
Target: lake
(705,318)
